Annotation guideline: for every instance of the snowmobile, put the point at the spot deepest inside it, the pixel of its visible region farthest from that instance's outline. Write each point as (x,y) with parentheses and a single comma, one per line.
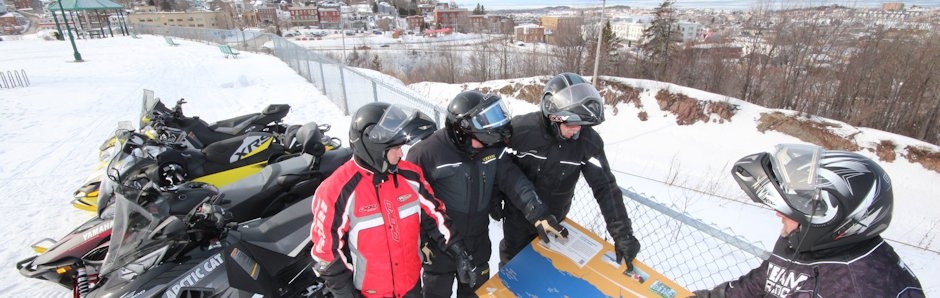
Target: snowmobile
(161,123)
(203,253)
(209,165)
(77,257)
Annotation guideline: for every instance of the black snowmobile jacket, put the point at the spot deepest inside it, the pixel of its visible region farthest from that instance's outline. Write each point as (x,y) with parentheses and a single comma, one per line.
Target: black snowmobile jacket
(554,165)
(466,184)
(867,269)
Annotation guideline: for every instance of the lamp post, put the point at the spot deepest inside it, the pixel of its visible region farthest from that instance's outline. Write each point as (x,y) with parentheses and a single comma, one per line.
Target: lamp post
(78,56)
(600,38)
(342,26)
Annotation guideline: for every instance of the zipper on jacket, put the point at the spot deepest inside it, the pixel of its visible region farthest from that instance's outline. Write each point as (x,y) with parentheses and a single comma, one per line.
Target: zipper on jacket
(391,261)
(816,281)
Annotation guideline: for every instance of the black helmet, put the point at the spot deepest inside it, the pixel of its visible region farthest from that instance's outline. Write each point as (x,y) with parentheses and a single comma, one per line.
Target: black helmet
(473,114)
(837,197)
(568,98)
(378,126)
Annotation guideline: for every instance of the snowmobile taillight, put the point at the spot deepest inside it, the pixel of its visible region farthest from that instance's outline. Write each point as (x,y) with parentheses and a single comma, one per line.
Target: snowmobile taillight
(62,270)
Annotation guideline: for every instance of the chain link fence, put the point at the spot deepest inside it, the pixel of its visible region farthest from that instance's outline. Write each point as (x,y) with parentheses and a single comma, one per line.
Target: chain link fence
(694,254)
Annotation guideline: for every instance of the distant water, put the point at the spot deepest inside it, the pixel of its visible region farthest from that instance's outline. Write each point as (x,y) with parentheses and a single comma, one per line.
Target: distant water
(685,4)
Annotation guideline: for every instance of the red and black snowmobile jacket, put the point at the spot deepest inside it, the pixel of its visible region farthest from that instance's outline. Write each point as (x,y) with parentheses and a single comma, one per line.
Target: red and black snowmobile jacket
(866,269)
(465,182)
(554,166)
(372,223)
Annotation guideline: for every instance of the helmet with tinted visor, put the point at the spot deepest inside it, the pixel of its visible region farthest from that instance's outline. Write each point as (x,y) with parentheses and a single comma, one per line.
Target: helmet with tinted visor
(401,125)
(378,126)
(482,117)
(837,197)
(578,104)
(785,180)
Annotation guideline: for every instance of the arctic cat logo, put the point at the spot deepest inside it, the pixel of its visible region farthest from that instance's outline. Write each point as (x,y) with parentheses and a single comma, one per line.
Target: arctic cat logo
(194,275)
(251,146)
(781,282)
(97,230)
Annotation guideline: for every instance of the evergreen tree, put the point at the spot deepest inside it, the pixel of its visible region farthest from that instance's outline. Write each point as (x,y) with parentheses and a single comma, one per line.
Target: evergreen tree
(479,10)
(376,63)
(661,39)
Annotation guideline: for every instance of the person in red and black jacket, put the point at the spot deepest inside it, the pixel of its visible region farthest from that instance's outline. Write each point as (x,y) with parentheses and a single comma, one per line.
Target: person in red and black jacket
(369,214)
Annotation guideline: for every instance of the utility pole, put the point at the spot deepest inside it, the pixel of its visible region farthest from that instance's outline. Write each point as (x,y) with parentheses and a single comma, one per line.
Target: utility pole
(600,37)
(342,22)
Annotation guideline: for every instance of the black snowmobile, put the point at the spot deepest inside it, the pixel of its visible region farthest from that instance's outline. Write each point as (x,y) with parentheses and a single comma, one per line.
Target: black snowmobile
(202,253)
(263,194)
(170,126)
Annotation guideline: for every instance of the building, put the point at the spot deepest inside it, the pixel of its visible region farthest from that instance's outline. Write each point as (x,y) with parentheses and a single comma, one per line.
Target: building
(8,24)
(489,24)
(456,18)
(22,4)
(415,23)
(266,15)
(195,19)
(304,16)
(558,26)
(330,18)
(426,9)
(529,33)
(892,6)
(630,30)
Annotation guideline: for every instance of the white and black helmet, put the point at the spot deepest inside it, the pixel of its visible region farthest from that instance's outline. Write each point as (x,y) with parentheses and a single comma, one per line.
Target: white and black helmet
(568,98)
(837,197)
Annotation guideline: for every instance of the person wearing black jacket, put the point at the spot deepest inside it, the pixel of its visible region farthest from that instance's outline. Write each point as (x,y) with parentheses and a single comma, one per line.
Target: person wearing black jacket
(553,147)
(834,206)
(464,163)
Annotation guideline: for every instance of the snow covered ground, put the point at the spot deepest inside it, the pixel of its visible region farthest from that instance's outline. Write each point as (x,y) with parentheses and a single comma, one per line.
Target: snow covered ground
(54,126)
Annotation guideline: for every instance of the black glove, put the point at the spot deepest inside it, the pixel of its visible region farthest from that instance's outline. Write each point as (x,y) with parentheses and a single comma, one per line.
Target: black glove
(626,250)
(465,267)
(345,291)
(546,225)
(337,279)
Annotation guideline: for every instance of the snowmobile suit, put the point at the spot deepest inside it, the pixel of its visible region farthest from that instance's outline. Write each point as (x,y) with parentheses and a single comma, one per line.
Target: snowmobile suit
(465,183)
(366,229)
(554,166)
(867,269)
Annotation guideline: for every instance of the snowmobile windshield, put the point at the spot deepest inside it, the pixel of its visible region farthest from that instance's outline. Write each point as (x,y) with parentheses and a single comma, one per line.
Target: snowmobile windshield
(143,231)
(147,229)
(152,107)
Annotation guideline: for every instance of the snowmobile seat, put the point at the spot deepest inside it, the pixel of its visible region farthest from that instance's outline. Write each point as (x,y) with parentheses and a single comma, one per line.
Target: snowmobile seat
(310,138)
(285,233)
(271,113)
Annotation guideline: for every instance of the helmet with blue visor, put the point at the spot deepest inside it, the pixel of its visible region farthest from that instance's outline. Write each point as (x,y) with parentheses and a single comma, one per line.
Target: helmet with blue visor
(474,115)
